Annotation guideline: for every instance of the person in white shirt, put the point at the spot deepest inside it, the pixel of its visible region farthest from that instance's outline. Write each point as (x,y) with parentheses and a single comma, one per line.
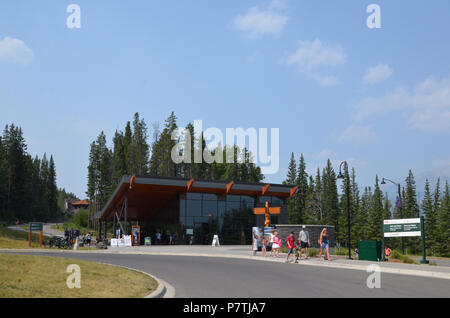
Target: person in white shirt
(304,242)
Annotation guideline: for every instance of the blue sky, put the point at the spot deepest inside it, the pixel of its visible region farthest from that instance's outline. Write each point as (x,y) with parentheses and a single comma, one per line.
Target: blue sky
(378,98)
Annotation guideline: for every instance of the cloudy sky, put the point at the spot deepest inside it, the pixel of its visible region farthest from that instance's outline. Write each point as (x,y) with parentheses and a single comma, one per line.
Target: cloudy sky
(378,98)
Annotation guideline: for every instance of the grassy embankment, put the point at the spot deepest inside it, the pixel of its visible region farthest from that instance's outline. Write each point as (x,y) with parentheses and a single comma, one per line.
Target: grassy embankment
(45,277)
(18,239)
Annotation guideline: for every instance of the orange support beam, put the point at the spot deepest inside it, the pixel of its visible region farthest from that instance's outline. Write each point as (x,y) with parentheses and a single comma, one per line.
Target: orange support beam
(265,188)
(189,185)
(132,181)
(229,186)
(292,192)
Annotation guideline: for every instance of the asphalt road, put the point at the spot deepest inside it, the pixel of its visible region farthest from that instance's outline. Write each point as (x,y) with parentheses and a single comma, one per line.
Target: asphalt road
(226,278)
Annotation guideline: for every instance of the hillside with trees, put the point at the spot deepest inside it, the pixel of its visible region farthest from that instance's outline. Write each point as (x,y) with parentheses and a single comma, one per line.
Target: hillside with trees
(28,190)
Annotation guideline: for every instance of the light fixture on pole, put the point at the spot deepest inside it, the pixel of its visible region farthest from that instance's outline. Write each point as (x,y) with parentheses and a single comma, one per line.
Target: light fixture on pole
(399,203)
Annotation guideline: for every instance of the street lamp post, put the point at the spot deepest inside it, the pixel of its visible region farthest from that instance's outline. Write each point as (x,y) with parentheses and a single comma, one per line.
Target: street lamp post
(341,176)
(399,204)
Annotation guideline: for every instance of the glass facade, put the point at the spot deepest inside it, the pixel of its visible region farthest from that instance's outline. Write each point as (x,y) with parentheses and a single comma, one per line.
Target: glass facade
(231,217)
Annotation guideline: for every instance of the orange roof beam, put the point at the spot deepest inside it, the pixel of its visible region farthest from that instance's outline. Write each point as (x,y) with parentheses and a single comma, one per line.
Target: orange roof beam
(229,186)
(189,185)
(265,189)
(292,192)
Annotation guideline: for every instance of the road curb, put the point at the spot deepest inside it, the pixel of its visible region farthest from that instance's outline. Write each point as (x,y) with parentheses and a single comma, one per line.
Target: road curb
(164,289)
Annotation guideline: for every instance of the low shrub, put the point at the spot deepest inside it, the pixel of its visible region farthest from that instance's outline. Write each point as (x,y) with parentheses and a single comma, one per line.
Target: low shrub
(341,251)
(404,258)
(313,252)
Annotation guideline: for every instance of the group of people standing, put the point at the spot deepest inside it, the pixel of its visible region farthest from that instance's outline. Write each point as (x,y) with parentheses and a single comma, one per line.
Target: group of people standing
(300,245)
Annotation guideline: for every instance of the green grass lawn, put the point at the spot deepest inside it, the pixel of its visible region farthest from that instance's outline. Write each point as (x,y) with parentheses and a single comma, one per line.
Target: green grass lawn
(45,277)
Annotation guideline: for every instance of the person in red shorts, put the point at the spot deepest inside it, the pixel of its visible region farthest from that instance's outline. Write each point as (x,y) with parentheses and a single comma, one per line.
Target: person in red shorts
(290,241)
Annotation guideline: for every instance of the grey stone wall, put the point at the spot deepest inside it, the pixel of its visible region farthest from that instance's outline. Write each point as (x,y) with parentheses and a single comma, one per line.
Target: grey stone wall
(314,232)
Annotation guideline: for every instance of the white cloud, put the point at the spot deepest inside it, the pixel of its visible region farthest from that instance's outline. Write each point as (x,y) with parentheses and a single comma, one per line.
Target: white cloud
(314,54)
(425,108)
(377,74)
(326,80)
(319,160)
(325,154)
(15,51)
(257,21)
(358,134)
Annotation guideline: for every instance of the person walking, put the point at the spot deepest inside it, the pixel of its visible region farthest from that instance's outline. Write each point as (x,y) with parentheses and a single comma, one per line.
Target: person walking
(304,242)
(324,244)
(158,238)
(88,239)
(271,236)
(290,241)
(255,243)
(264,245)
(276,245)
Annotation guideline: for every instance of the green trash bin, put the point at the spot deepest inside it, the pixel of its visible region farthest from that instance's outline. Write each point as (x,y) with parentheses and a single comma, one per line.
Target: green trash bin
(369,250)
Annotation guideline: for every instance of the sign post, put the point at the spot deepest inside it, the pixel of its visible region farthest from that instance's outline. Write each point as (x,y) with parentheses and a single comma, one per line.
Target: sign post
(405,228)
(424,253)
(35,226)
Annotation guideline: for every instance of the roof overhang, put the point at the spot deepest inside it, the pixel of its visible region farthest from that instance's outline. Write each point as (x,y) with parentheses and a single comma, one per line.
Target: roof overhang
(147,194)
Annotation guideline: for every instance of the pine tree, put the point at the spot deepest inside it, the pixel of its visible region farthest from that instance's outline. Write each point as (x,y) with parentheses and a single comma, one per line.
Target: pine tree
(444,223)
(291,180)
(310,216)
(16,206)
(317,202)
(52,190)
(25,191)
(119,159)
(431,221)
(161,163)
(427,208)
(330,196)
(127,148)
(3,180)
(411,210)
(362,216)
(302,184)
(100,175)
(387,207)
(140,147)
(376,213)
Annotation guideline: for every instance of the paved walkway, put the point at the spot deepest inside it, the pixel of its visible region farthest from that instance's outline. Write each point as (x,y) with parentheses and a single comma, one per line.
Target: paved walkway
(47,229)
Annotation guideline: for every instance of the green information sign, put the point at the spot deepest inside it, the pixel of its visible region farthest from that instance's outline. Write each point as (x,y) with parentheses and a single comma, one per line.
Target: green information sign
(406,227)
(402,227)
(36,226)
